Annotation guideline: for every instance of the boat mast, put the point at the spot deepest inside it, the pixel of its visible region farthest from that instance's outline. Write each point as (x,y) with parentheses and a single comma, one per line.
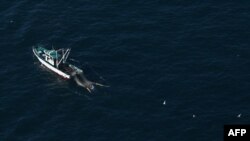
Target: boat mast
(65,56)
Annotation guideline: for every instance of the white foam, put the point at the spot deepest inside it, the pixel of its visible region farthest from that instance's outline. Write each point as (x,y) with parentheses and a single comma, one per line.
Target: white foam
(164,102)
(239,115)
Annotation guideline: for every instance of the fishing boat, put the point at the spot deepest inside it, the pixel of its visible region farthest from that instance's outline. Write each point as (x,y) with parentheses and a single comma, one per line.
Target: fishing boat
(56,61)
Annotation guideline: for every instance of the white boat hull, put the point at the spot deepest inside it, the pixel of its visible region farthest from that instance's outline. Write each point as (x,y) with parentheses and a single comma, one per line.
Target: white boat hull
(52,68)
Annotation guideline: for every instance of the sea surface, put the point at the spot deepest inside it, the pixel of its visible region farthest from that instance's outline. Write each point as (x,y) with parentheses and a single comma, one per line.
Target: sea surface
(178,70)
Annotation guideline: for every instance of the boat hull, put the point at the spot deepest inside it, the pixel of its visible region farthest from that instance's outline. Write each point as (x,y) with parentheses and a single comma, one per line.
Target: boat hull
(50,67)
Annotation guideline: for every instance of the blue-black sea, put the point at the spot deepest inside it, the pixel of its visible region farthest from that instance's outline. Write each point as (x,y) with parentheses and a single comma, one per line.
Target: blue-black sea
(178,70)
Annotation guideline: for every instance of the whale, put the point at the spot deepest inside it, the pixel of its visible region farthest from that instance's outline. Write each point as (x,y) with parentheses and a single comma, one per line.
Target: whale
(82,81)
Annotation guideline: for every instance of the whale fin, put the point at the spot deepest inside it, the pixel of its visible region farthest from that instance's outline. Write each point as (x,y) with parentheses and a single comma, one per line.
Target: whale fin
(98,84)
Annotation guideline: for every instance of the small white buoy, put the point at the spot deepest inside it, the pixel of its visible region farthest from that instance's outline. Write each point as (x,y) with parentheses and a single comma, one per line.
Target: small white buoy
(11,21)
(239,115)
(194,116)
(164,102)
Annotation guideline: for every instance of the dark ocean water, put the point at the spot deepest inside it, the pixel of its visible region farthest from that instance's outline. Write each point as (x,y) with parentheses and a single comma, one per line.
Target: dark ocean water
(195,55)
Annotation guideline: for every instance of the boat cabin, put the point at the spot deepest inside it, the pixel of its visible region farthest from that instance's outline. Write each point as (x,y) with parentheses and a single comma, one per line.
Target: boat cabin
(51,56)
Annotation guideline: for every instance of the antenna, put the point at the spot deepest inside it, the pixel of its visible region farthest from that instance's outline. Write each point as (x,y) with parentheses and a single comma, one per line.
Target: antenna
(56,60)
